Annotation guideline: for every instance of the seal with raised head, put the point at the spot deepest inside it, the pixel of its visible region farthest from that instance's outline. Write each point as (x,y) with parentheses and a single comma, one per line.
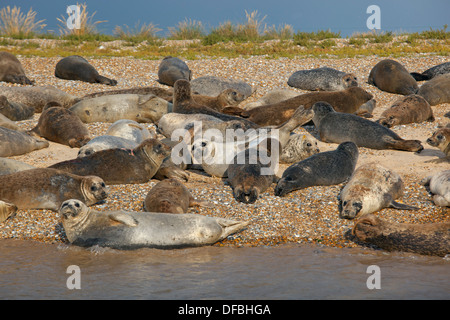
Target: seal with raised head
(299,147)
(15,111)
(8,166)
(11,69)
(171,196)
(131,230)
(338,127)
(7,211)
(439,184)
(228,97)
(441,139)
(371,188)
(62,126)
(391,76)
(172,69)
(16,143)
(130,130)
(322,169)
(421,238)
(437,90)
(324,78)
(44,188)
(212,86)
(78,68)
(432,72)
(164,93)
(409,109)
(120,166)
(111,108)
(348,101)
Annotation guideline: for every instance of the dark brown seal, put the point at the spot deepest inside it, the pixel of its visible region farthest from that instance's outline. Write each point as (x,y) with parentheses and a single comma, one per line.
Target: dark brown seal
(427,239)
(172,69)
(120,166)
(61,125)
(171,196)
(437,90)
(11,69)
(390,76)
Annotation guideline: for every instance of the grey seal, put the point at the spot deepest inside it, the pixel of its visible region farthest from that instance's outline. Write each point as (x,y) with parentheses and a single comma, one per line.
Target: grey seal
(432,72)
(15,143)
(130,130)
(131,230)
(8,166)
(391,76)
(15,111)
(324,78)
(213,86)
(11,69)
(103,143)
(299,147)
(7,123)
(273,96)
(439,184)
(172,69)
(437,90)
(441,139)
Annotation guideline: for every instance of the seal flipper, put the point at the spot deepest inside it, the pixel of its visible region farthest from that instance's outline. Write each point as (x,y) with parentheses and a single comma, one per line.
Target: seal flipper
(420,76)
(402,206)
(230,226)
(123,218)
(200,203)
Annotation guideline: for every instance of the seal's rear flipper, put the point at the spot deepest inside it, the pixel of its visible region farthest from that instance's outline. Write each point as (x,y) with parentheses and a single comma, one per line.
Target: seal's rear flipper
(420,76)
(402,206)
(230,226)
(235,111)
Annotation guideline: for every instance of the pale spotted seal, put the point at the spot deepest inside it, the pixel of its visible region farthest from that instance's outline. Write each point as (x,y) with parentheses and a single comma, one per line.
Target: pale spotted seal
(432,72)
(437,90)
(391,76)
(7,211)
(78,68)
(299,147)
(273,96)
(164,93)
(324,78)
(213,86)
(371,188)
(172,69)
(441,139)
(439,184)
(131,230)
(130,130)
(15,143)
(15,111)
(11,69)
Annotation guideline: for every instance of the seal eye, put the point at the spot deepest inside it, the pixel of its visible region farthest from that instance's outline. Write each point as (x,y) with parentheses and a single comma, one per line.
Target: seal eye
(203,144)
(344,203)
(309,144)
(103,185)
(77,204)
(439,137)
(93,188)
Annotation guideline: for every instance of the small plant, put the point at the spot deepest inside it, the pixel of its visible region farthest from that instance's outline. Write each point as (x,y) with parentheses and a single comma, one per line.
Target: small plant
(16,24)
(137,34)
(283,32)
(187,30)
(88,26)
(439,34)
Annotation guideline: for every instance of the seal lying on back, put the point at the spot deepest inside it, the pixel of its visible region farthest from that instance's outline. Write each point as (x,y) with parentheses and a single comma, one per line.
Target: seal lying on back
(427,239)
(437,90)
(15,143)
(212,86)
(390,76)
(337,127)
(322,169)
(172,69)
(439,184)
(132,230)
(11,69)
(441,140)
(371,188)
(78,68)
(435,71)
(15,111)
(171,196)
(44,188)
(325,78)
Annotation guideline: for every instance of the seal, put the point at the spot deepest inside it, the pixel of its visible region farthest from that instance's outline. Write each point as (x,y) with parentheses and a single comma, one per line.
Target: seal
(324,78)
(120,166)
(439,184)
(441,139)
(8,166)
(7,211)
(172,69)
(131,230)
(11,69)
(437,90)
(322,169)
(7,123)
(44,188)
(130,130)
(271,97)
(111,108)
(212,86)
(163,93)
(15,111)
(425,239)
(104,143)
(62,126)
(78,68)
(16,143)
(432,72)
(37,96)
(171,196)
(408,109)
(371,188)
(348,101)
(337,127)
(391,76)
(228,97)
(299,147)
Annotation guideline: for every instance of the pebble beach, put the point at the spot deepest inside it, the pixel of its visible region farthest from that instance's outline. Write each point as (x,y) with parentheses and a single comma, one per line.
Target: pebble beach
(304,216)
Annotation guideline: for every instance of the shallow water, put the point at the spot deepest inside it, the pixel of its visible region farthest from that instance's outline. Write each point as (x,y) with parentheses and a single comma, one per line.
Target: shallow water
(31,270)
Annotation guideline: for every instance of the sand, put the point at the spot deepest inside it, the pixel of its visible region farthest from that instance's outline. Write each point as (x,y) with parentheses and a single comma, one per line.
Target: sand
(305,216)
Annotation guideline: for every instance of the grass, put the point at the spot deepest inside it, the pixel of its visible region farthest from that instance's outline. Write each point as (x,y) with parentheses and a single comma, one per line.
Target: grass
(16,24)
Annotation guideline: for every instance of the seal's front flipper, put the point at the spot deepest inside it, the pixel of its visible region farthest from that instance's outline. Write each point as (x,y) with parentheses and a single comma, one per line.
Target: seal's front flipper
(402,206)
(123,218)
(200,203)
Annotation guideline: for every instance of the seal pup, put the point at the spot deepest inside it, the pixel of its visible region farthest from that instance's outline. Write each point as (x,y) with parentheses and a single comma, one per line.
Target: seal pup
(371,188)
(212,86)
(322,169)
(62,126)
(439,184)
(437,90)
(11,69)
(130,130)
(299,147)
(16,143)
(15,111)
(8,166)
(38,96)
(172,69)
(131,230)
(432,72)
(171,196)
(348,101)
(324,78)
(111,108)
(44,188)
(338,127)
(408,109)
(120,166)
(228,97)
(164,93)
(7,211)
(441,139)
(78,68)
(391,76)
(425,239)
